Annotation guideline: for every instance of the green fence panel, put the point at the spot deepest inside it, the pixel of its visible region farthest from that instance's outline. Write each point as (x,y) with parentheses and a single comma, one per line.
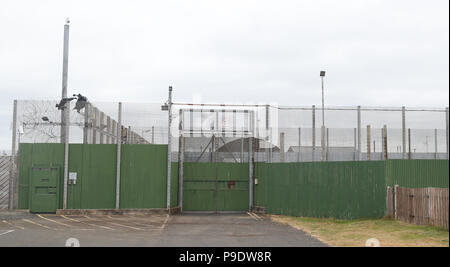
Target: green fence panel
(343,190)
(232,188)
(199,186)
(215,186)
(95,165)
(144,176)
(418,173)
(261,187)
(37,154)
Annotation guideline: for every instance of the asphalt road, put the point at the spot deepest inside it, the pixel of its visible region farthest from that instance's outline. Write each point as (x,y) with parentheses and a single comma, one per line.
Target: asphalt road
(187,230)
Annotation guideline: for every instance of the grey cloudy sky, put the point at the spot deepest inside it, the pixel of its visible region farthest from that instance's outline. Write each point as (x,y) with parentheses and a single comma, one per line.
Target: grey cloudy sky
(376,52)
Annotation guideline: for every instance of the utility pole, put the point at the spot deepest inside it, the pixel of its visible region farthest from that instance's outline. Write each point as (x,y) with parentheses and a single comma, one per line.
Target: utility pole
(65,111)
(64,79)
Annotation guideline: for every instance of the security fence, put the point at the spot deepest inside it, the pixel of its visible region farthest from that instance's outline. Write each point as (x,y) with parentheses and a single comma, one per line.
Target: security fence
(237,133)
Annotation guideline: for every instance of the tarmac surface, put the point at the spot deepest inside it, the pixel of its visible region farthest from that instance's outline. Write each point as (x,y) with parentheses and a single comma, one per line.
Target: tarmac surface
(187,230)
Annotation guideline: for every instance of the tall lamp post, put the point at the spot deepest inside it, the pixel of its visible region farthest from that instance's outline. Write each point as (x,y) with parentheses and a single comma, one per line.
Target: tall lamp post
(322,75)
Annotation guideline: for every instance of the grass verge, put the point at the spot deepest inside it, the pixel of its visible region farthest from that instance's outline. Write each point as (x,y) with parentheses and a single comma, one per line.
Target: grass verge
(390,233)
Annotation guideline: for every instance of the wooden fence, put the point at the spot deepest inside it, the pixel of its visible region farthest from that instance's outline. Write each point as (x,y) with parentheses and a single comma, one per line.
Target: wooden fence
(422,206)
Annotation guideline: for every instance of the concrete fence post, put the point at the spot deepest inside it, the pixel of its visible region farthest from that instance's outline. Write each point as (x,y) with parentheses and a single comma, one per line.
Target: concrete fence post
(102,128)
(282,147)
(404,132)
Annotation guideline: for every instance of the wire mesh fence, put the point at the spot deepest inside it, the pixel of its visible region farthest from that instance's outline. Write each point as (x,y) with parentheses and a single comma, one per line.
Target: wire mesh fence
(302,133)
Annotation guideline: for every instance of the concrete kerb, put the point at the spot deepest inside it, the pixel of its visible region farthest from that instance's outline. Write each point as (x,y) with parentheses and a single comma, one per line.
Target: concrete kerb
(170,211)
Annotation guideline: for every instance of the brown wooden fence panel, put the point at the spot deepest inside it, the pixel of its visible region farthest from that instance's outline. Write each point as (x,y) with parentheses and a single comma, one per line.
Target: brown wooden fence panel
(439,207)
(422,206)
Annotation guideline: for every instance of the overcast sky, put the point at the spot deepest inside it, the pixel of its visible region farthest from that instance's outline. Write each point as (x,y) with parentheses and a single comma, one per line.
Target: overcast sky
(375,52)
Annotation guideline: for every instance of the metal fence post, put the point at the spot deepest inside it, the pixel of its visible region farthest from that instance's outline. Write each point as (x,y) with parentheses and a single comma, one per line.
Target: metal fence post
(368,143)
(169,146)
(359,131)
(385,143)
(119,151)
(282,147)
(267,133)
(447,131)
(12,160)
(66,153)
(270,144)
(86,123)
(94,125)
(299,143)
(322,140)
(250,172)
(403,132)
(409,144)
(313,132)
(355,148)
(65,110)
(435,144)
(328,144)
(180,159)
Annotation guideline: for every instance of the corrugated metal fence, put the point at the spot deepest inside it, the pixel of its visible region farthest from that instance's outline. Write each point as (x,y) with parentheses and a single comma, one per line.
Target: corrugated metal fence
(347,190)
(5,163)
(143,174)
(417,173)
(343,190)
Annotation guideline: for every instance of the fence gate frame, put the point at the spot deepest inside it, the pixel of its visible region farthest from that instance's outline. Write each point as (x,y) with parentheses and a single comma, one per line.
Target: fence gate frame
(183,131)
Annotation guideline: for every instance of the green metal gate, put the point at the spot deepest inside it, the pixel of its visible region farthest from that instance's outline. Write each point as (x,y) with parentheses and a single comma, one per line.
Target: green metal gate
(44,189)
(215,187)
